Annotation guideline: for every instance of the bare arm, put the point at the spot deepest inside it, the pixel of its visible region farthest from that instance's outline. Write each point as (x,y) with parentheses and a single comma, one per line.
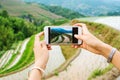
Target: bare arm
(106,50)
(91,43)
(41,57)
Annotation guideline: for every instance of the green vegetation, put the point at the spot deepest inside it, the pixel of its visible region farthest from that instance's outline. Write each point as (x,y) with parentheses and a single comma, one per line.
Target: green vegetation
(68,51)
(56,73)
(9,62)
(19,8)
(13,57)
(99,72)
(59,21)
(0,6)
(13,30)
(67,13)
(26,59)
(1,53)
(115,13)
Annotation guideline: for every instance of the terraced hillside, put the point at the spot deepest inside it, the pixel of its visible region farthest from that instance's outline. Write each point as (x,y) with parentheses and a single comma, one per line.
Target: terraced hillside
(98,66)
(17,62)
(18,59)
(19,8)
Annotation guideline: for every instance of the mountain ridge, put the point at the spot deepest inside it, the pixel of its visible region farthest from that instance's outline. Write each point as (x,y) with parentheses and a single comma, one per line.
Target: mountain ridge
(87,7)
(18,8)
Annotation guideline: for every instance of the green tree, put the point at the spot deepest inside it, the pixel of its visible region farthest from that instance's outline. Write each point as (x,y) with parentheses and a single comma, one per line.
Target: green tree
(6,38)
(0,6)
(4,13)
(19,36)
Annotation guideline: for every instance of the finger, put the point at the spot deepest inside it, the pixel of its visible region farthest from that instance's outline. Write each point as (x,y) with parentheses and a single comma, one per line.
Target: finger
(76,46)
(80,37)
(85,30)
(37,38)
(39,34)
(78,24)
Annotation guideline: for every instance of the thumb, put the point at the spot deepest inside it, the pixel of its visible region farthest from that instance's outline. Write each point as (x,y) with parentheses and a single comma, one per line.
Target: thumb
(78,36)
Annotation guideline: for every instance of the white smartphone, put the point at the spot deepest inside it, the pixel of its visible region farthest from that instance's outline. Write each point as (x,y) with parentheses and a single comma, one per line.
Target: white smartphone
(62,35)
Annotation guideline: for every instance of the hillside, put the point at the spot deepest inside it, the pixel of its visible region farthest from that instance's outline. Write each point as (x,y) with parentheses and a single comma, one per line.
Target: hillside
(19,8)
(67,13)
(116,13)
(87,7)
(103,32)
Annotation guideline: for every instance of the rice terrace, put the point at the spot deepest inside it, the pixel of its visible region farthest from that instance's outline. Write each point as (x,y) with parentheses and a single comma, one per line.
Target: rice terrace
(20,20)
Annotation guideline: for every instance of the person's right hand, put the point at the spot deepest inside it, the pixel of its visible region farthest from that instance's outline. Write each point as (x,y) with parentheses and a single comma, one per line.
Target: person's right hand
(90,42)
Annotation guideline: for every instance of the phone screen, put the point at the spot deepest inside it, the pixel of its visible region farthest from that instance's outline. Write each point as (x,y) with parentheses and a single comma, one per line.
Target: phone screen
(64,35)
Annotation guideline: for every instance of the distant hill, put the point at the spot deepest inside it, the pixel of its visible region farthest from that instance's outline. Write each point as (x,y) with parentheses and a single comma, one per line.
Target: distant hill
(86,7)
(67,13)
(116,13)
(19,8)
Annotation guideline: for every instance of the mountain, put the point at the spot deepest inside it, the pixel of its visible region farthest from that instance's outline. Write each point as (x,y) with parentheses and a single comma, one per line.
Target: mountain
(117,13)
(87,7)
(61,30)
(62,11)
(20,8)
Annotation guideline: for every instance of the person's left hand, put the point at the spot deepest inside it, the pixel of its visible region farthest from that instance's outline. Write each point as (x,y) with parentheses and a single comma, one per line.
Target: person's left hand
(41,52)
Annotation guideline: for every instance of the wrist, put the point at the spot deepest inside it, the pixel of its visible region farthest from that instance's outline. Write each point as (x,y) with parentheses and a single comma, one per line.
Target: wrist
(105,49)
(40,65)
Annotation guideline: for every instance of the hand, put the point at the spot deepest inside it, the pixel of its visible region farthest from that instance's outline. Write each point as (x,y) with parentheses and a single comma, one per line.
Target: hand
(41,52)
(94,45)
(90,42)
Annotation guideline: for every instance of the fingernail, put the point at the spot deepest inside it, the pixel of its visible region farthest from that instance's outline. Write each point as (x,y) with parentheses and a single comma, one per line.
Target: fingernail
(75,46)
(76,35)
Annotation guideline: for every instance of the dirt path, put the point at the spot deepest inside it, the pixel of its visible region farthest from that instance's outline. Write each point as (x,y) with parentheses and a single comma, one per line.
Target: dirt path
(21,52)
(82,66)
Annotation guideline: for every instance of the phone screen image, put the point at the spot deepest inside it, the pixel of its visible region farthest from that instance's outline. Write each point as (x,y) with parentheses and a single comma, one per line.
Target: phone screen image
(59,35)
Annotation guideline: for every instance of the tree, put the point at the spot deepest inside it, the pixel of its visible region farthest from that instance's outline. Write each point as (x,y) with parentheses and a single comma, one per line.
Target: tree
(6,38)
(19,36)
(0,6)
(4,13)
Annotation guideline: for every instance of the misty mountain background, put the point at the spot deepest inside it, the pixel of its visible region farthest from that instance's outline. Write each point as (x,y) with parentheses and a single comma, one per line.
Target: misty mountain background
(86,7)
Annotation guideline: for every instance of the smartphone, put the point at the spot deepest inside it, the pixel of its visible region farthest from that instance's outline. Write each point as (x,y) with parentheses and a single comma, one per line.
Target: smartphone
(56,35)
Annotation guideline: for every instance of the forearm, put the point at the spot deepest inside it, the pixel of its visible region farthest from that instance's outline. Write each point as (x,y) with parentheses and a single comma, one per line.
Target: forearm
(35,75)
(105,51)
(116,59)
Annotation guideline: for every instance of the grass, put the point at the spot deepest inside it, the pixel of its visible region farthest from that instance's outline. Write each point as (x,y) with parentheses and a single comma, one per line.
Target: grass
(1,53)
(68,51)
(14,55)
(99,72)
(18,8)
(56,73)
(9,62)
(26,59)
